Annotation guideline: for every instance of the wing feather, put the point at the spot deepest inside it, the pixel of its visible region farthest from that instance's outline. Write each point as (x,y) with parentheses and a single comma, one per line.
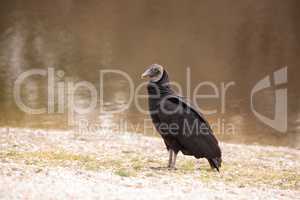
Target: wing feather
(193,132)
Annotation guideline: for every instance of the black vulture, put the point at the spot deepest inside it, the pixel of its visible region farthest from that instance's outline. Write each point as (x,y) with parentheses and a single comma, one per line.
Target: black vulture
(180,125)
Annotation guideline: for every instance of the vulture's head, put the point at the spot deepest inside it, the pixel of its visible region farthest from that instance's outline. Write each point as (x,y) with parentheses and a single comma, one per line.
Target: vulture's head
(154,73)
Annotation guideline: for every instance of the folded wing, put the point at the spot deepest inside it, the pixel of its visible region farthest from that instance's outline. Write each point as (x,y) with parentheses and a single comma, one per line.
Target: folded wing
(188,127)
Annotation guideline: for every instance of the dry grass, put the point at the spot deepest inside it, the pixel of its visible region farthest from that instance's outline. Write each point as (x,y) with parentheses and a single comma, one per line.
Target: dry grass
(132,164)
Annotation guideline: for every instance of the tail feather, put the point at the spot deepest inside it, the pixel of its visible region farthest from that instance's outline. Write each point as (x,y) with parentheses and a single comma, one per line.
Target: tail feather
(215,163)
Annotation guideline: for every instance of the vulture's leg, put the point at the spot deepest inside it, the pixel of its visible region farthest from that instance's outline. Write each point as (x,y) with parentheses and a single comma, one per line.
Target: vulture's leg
(173,160)
(170,158)
(198,163)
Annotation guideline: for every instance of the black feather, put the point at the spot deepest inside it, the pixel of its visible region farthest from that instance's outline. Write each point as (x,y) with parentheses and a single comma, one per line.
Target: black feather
(194,135)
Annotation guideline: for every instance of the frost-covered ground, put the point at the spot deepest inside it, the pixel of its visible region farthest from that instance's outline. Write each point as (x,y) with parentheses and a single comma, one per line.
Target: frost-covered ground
(64,165)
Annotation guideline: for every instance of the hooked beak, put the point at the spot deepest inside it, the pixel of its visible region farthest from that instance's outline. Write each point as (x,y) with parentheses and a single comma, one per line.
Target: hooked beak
(146,74)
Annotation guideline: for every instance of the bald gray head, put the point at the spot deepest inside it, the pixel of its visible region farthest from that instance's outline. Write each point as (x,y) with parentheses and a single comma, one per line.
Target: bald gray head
(153,73)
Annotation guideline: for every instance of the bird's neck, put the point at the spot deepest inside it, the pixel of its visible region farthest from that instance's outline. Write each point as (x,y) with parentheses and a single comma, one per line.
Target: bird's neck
(161,87)
(158,90)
